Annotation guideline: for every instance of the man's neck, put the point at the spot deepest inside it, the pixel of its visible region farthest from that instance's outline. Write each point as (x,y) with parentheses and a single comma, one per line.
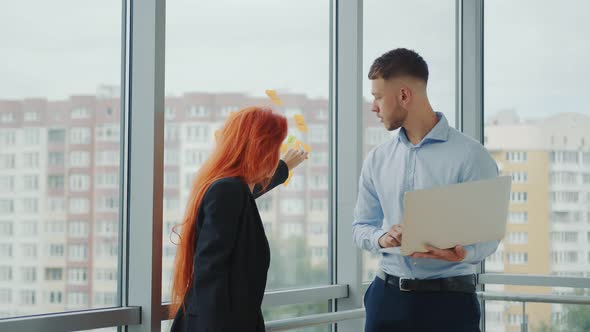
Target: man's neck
(418,127)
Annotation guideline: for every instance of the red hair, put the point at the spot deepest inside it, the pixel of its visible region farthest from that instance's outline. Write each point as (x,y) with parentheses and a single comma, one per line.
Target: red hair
(248,148)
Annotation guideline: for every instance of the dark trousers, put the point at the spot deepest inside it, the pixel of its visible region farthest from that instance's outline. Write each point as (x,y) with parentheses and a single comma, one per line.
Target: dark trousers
(391,310)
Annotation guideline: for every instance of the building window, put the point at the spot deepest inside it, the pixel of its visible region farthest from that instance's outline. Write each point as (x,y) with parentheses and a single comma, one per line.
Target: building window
(318,182)
(516,156)
(54,274)
(564,237)
(56,135)
(78,275)
(517,258)
(79,205)
(28,274)
(291,230)
(5,273)
(55,297)
(78,252)
(79,159)
(6,117)
(107,249)
(29,250)
(195,158)
(198,111)
(6,228)
(5,250)
(7,137)
(32,136)
(56,159)
(198,133)
(565,197)
(6,296)
(6,206)
(55,182)
(80,113)
(30,182)
(318,134)
(78,228)
(79,182)
(30,205)
(107,227)
(293,206)
(56,250)
(28,228)
(518,197)
(30,160)
(7,161)
(6,184)
(564,257)
(108,133)
(27,297)
(107,203)
(264,204)
(561,178)
(319,158)
(171,157)
(107,180)
(31,116)
(171,179)
(107,158)
(105,299)
(77,299)
(318,205)
(517,237)
(564,157)
(80,135)
(106,274)
(296,183)
(520,177)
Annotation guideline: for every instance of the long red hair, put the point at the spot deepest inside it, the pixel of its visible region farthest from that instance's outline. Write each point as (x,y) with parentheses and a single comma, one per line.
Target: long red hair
(247,147)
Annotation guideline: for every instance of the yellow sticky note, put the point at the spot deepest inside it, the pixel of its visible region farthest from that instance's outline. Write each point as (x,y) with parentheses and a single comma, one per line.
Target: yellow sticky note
(300,123)
(283,148)
(272,94)
(288,179)
(303,146)
(291,139)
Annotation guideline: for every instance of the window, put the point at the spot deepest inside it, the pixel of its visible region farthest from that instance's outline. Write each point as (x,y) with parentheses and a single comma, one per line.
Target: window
(107,203)
(106,250)
(28,274)
(519,177)
(56,136)
(30,160)
(318,204)
(517,237)
(56,250)
(565,197)
(31,116)
(53,274)
(79,159)
(107,180)
(56,159)
(7,137)
(29,250)
(564,237)
(80,136)
(55,227)
(6,206)
(201,109)
(171,157)
(5,273)
(107,158)
(5,296)
(318,182)
(564,257)
(292,207)
(6,228)
(79,182)
(77,299)
(28,228)
(27,297)
(6,117)
(108,132)
(55,182)
(518,197)
(79,205)
(30,205)
(78,229)
(5,250)
(564,157)
(6,184)
(78,252)
(55,297)
(516,156)
(107,227)
(32,136)
(517,258)
(171,179)
(30,182)
(291,229)
(80,113)
(7,161)
(78,275)
(106,274)
(105,298)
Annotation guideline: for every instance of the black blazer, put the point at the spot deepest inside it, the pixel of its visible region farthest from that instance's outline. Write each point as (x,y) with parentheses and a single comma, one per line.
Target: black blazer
(231,261)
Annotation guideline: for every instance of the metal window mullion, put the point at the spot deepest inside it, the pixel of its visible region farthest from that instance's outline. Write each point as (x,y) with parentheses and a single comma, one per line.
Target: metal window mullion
(145,162)
(348,135)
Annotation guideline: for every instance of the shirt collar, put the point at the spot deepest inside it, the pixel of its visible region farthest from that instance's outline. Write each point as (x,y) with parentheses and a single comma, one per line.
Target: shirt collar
(440,132)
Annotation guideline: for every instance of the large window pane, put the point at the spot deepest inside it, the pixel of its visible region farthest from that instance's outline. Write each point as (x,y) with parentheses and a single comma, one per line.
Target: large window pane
(537,128)
(59,155)
(221,56)
(386,27)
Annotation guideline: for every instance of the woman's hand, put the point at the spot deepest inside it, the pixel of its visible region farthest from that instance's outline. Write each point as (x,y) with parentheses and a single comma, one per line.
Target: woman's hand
(294,157)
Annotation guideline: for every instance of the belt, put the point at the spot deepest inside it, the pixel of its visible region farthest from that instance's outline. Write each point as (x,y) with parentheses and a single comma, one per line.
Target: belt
(460,284)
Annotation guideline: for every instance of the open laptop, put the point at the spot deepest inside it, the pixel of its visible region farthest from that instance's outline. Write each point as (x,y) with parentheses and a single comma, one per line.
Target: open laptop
(458,214)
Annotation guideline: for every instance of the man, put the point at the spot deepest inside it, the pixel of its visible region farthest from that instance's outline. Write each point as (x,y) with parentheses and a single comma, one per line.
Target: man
(438,287)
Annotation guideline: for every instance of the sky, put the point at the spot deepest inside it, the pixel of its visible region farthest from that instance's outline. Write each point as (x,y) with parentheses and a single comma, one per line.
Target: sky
(534,57)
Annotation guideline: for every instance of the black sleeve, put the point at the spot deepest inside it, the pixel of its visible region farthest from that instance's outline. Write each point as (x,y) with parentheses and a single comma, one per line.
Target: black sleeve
(222,207)
(280,176)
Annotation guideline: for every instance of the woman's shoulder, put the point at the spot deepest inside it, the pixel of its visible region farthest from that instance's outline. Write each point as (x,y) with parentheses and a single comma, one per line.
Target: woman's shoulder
(227,187)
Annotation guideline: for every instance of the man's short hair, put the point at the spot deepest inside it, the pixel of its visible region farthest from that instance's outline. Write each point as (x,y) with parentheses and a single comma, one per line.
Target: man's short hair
(399,62)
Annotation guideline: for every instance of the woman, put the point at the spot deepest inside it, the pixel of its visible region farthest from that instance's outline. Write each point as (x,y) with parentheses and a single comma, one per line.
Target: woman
(223,257)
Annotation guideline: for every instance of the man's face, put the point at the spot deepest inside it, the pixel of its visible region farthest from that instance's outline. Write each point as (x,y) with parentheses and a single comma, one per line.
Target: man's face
(387,103)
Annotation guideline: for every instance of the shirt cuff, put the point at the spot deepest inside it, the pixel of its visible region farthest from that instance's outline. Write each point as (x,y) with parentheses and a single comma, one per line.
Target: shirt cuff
(376,236)
(470,249)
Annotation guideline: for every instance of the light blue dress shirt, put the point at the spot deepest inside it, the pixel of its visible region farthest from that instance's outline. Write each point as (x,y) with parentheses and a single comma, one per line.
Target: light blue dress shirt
(444,156)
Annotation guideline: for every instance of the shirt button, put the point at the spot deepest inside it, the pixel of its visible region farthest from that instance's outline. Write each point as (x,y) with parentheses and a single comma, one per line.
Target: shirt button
(415,263)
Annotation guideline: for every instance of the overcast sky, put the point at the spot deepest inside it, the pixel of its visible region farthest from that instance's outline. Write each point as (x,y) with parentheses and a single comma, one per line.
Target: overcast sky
(536,51)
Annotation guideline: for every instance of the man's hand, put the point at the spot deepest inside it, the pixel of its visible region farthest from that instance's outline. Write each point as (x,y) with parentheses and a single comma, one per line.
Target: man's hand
(393,238)
(294,157)
(456,254)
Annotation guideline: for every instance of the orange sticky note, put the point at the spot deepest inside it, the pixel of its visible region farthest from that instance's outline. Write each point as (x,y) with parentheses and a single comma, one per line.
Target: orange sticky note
(300,123)
(304,146)
(272,94)
(283,148)
(288,179)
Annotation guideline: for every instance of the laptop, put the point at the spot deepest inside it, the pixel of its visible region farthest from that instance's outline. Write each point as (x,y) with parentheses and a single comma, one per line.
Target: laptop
(457,214)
